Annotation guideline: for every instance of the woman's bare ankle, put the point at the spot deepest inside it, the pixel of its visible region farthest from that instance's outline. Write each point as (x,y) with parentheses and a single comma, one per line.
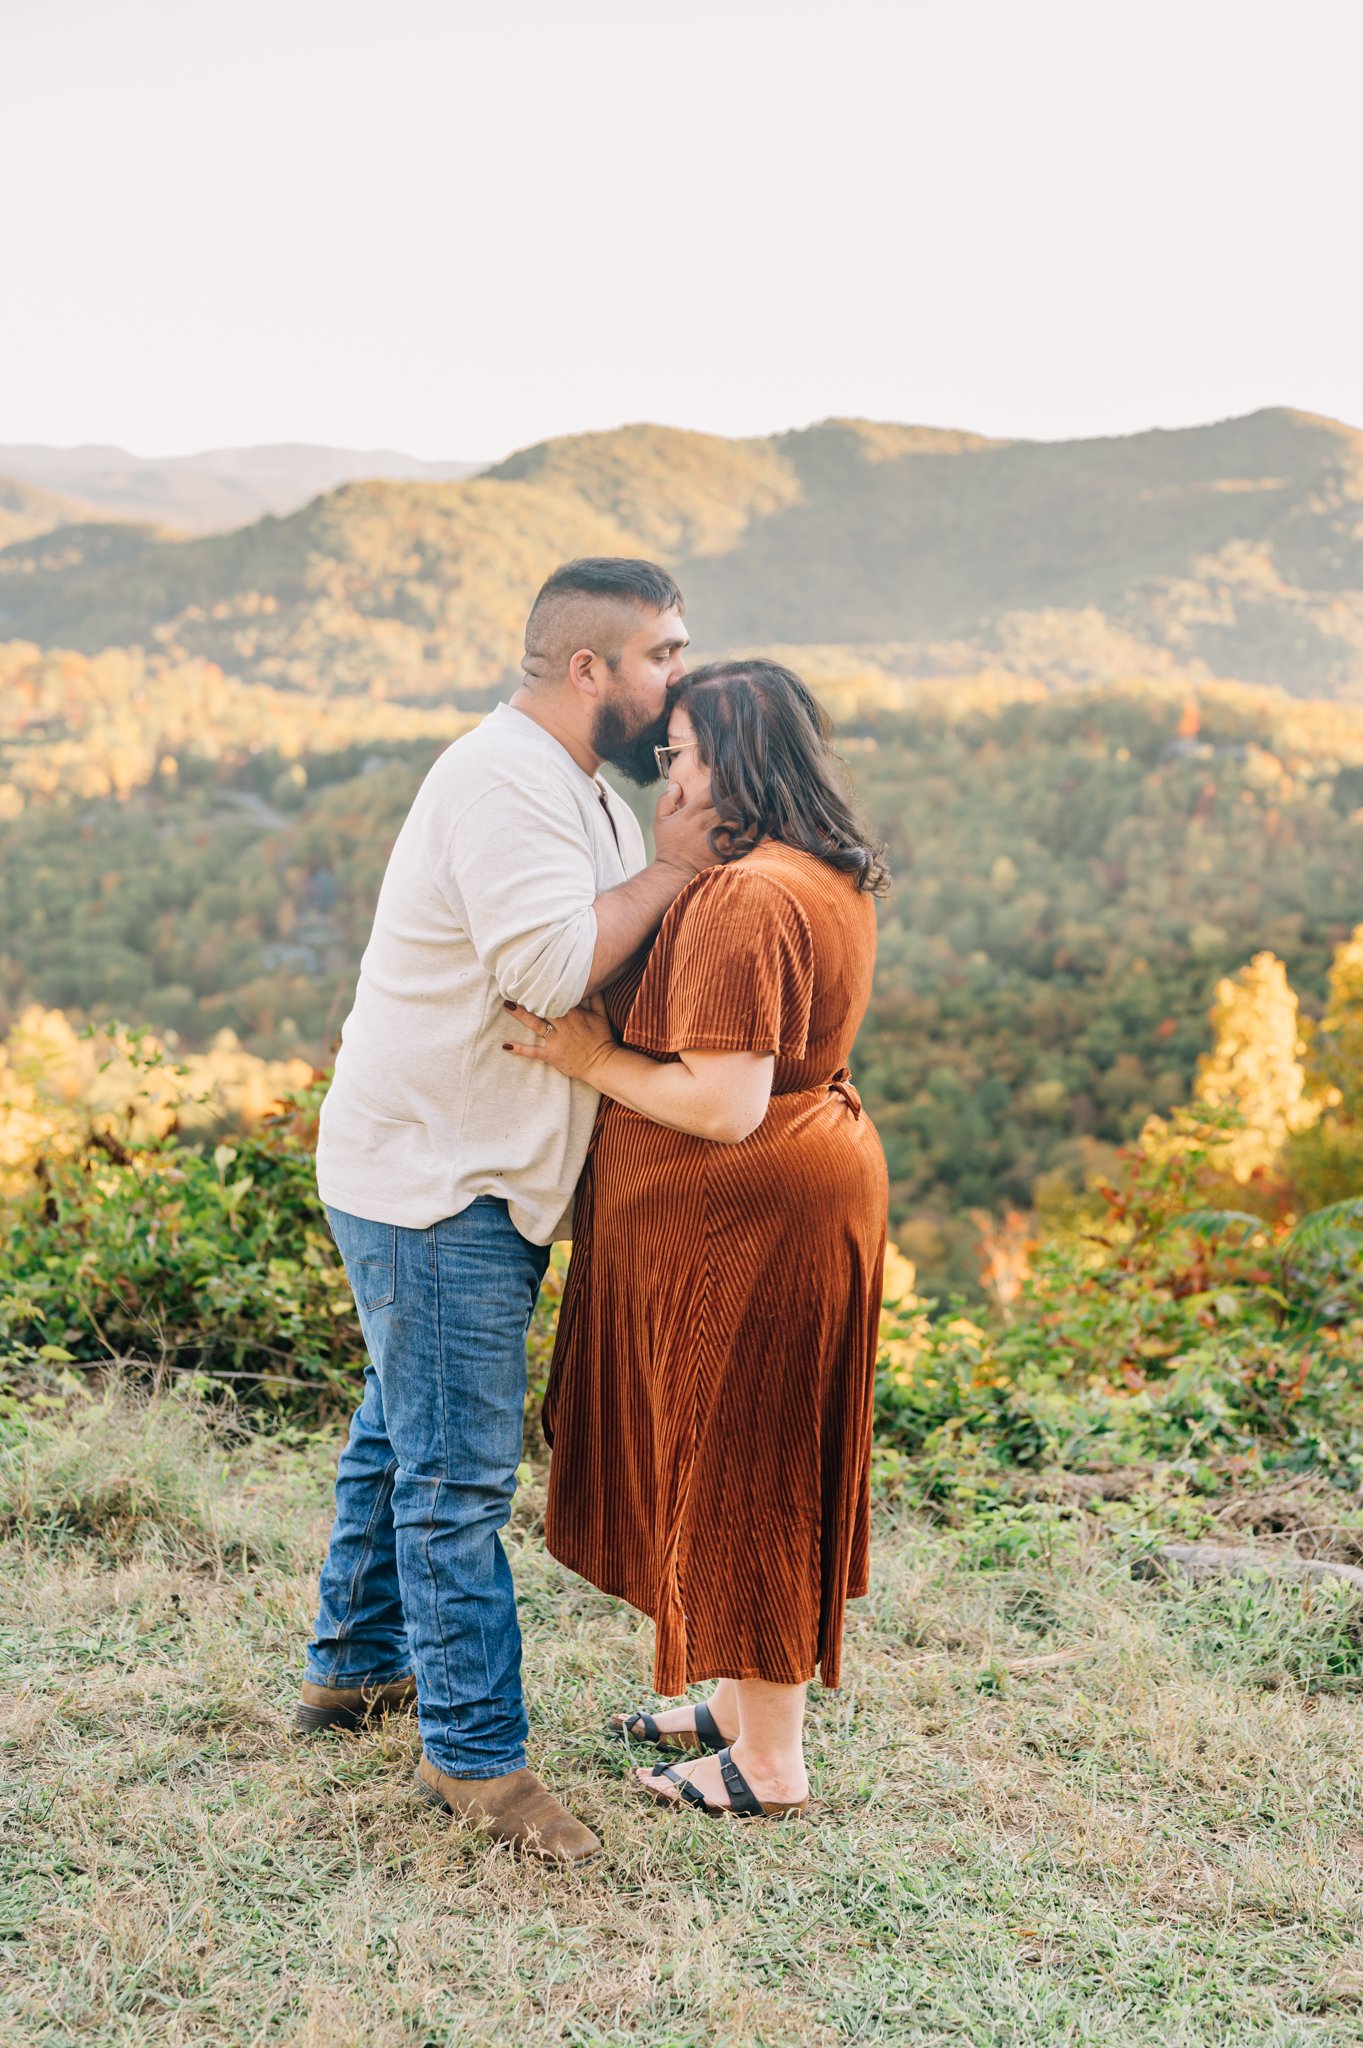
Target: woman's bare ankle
(679,1719)
(779,1775)
(723,1706)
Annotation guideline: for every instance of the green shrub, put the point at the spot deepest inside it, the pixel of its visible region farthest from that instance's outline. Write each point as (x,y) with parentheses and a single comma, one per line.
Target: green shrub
(1171,1331)
(213,1263)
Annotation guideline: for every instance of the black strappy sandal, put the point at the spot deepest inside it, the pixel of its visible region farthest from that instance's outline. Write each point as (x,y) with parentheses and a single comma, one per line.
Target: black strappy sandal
(744,1803)
(704,1740)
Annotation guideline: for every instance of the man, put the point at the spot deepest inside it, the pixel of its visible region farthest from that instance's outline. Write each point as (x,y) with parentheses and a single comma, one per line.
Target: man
(448,1170)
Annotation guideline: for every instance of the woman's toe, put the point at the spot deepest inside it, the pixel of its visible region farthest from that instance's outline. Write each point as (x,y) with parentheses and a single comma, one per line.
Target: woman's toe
(703,1776)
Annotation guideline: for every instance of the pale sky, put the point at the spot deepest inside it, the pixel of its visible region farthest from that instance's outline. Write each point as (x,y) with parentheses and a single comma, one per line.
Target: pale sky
(458,226)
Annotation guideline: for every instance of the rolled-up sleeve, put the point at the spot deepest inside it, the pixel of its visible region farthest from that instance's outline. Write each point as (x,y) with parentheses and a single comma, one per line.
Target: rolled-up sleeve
(521,863)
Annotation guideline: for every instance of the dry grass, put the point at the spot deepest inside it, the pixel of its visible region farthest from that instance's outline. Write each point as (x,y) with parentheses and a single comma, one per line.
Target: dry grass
(1054,1806)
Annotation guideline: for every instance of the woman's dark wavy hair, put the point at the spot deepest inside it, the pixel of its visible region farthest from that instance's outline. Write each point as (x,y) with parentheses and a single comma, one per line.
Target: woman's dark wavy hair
(773,774)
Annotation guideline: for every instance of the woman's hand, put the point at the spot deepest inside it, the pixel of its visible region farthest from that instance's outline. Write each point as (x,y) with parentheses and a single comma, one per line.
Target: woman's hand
(578,1045)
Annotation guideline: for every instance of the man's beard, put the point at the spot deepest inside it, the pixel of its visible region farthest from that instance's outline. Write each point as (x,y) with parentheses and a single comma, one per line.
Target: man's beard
(631,752)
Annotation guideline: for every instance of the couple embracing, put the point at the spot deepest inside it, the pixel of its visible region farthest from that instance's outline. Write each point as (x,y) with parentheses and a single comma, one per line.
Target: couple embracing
(553,1036)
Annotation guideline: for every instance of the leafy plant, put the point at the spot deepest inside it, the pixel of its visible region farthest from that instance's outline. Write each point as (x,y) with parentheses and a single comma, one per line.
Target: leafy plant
(1315,1277)
(211,1262)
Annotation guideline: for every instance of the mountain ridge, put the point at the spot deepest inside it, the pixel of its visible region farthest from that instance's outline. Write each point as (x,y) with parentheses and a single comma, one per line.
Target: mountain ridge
(1232,549)
(26,511)
(214,489)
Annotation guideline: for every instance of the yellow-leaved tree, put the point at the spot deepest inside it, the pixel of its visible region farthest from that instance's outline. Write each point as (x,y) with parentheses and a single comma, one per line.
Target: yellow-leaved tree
(1256,1066)
(60,1088)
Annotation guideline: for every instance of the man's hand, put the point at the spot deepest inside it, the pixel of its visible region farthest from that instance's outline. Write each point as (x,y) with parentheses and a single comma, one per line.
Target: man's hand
(681,833)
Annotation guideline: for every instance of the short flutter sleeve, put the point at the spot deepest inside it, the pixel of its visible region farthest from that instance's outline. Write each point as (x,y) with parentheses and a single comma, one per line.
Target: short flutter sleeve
(732,970)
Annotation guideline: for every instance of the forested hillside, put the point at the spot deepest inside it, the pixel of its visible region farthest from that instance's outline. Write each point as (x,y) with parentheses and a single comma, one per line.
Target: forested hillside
(1073,878)
(1073,874)
(26,510)
(1233,550)
(73,727)
(1025,647)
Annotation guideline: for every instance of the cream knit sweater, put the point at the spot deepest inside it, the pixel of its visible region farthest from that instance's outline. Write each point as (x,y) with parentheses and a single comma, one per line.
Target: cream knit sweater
(489,893)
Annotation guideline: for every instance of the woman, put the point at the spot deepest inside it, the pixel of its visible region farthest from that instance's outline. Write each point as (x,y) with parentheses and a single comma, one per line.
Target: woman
(710,1397)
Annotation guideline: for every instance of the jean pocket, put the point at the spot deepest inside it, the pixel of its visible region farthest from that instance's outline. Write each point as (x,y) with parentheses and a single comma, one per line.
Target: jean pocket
(375,1276)
(370,1252)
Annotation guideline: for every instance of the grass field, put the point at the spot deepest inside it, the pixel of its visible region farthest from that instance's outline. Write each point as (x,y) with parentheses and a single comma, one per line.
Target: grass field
(1054,1804)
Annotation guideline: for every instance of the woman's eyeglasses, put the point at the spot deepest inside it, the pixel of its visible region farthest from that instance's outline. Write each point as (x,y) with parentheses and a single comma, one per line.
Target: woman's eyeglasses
(664,756)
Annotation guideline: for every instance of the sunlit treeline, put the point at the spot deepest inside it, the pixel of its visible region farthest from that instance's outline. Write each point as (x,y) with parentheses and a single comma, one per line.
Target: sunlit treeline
(58,1087)
(76,727)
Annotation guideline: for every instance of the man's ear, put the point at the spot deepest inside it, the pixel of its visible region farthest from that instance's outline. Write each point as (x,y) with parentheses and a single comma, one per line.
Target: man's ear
(581,672)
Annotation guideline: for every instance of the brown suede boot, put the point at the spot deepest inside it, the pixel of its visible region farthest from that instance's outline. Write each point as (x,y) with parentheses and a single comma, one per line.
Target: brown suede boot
(350,1706)
(514,1808)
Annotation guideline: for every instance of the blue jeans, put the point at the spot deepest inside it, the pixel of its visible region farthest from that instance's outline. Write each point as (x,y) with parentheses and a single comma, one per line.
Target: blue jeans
(416,1578)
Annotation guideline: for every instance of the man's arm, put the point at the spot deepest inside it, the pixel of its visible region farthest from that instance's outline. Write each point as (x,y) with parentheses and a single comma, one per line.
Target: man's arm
(628,915)
(523,871)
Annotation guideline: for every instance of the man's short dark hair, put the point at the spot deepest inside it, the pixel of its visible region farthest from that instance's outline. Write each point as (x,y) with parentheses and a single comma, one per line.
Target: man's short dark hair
(619,576)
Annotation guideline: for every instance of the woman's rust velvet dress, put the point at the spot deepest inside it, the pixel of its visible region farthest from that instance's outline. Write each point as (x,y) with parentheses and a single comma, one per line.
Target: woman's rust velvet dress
(710,1398)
